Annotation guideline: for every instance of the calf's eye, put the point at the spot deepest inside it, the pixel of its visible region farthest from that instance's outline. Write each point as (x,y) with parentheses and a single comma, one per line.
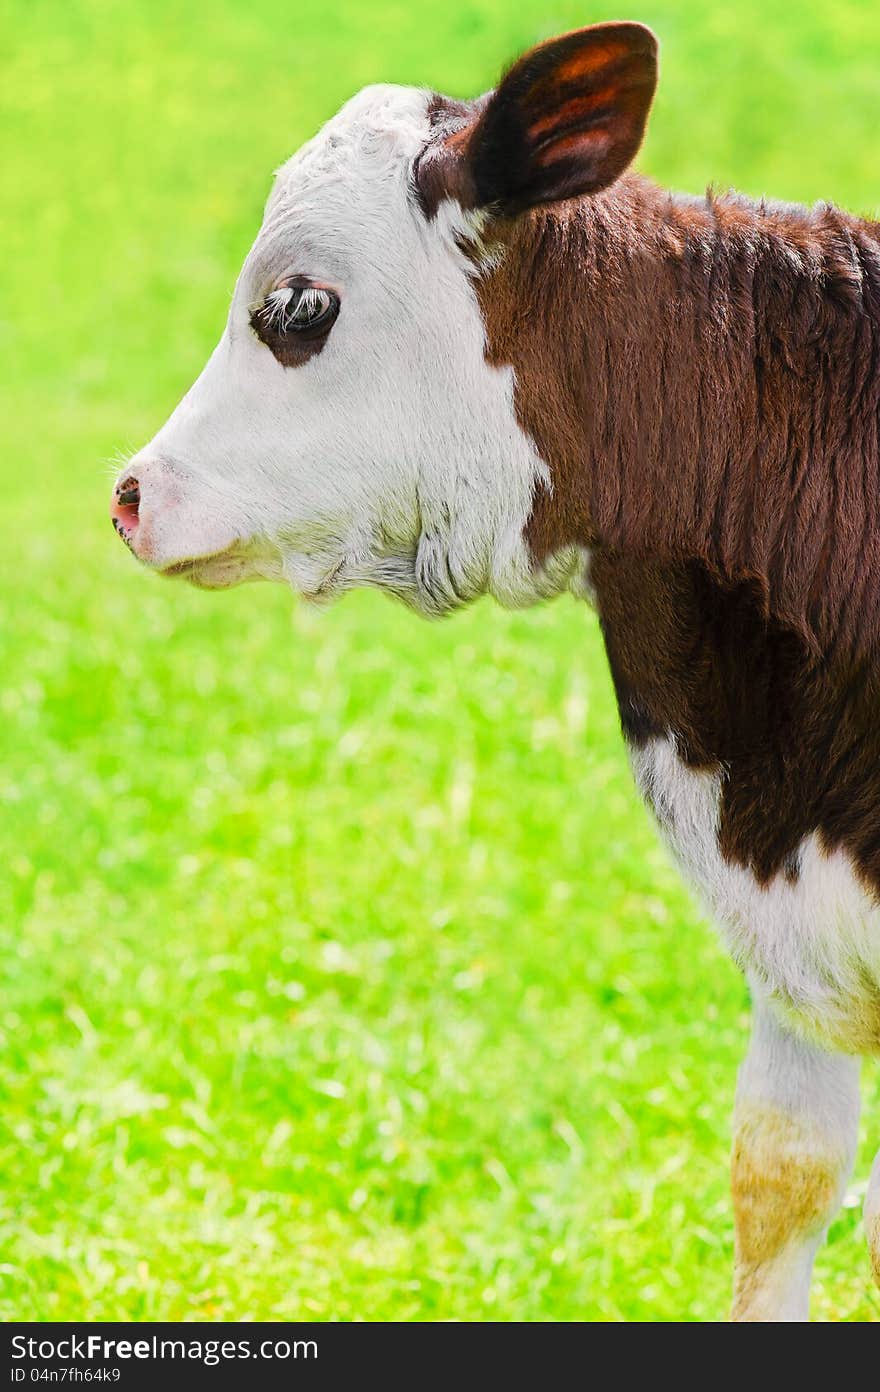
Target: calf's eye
(294,318)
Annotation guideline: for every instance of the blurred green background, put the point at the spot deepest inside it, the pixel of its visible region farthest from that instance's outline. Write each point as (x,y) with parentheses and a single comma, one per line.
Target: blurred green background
(342,974)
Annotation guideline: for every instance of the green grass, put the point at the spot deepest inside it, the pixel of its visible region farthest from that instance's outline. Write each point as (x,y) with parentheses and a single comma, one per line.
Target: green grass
(341,973)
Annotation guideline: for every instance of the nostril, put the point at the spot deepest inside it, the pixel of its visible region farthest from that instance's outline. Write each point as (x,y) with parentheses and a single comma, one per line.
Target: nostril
(128,493)
(124,507)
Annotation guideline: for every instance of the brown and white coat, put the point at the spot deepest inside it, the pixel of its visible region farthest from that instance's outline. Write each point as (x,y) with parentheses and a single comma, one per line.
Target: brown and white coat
(470,353)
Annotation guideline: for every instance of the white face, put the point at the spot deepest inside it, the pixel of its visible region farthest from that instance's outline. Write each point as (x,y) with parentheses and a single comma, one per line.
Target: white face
(390,456)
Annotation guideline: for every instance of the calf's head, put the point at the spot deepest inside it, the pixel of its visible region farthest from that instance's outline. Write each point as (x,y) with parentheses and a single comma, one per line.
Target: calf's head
(347,429)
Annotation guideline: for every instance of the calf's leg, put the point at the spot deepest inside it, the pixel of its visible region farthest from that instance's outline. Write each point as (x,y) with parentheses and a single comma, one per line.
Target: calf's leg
(795,1127)
(872,1217)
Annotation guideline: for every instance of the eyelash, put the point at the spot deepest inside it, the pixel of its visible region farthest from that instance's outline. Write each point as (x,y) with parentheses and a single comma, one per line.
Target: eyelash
(294,319)
(294,307)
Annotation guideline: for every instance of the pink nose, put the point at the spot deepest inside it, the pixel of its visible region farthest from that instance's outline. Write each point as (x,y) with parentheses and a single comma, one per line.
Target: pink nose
(124,507)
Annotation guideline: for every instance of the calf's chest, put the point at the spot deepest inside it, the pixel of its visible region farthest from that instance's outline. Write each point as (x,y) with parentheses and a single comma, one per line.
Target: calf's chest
(764,776)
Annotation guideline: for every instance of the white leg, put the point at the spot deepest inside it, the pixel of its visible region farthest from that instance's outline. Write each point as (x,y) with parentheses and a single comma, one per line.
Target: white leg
(795,1127)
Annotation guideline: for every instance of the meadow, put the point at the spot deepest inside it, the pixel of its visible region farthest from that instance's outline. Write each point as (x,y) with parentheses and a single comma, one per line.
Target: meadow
(341,972)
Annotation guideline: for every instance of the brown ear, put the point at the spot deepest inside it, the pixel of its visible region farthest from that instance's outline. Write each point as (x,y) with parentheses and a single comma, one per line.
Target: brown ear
(566,119)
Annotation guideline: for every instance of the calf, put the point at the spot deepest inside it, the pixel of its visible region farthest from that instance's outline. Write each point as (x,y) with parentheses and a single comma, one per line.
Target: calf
(470,353)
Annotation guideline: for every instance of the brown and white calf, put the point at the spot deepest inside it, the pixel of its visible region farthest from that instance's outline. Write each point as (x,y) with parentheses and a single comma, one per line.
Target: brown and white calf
(469,353)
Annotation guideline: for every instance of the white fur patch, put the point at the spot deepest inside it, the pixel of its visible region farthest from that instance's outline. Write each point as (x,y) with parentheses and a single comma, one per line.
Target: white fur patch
(813,944)
(393,456)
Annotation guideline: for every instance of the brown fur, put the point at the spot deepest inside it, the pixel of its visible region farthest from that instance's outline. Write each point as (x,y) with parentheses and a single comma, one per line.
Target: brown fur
(872,1230)
(703,379)
(786,1186)
(565,119)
